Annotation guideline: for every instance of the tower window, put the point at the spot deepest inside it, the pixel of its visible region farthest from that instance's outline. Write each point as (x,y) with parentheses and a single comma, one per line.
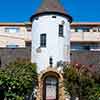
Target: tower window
(61,27)
(43,40)
(36,18)
(53,16)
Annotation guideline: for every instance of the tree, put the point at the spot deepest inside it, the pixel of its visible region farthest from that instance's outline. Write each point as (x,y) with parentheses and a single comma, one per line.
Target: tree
(78,82)
(16,78)
(70,78)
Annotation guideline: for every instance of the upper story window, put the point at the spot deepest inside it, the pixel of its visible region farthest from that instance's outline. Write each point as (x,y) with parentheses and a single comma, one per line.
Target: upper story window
(78,29)
(86,47)
(12,29)
(76,46)
(28,43)
(96,29)
(61,30)
(12,46)
(81,29)
(29,28)
(72,29)
(86,29)
(43,40)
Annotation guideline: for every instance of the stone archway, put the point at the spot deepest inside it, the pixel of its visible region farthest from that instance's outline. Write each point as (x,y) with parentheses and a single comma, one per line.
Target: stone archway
(57,78)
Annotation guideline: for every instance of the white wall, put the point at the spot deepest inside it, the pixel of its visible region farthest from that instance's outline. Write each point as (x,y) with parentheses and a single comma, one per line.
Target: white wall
(57,47)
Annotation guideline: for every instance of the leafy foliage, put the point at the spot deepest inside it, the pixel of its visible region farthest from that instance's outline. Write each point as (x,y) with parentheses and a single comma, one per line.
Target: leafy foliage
(80,82)
(16,78)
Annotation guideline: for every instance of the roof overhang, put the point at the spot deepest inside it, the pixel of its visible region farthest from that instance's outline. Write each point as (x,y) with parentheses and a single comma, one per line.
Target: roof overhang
(50,13)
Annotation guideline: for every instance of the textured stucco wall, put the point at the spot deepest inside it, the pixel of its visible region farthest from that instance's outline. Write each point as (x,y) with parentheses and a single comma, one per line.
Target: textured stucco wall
(85,57)
(82,57)
(11,55)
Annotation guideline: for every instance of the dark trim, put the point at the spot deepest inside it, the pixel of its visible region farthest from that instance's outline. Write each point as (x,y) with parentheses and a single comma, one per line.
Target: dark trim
(50,13)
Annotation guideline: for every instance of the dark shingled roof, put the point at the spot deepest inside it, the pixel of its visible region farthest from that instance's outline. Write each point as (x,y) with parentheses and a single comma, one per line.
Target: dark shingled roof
(51,7)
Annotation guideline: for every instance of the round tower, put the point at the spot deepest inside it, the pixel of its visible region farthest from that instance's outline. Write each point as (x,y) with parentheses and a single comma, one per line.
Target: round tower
(50,35)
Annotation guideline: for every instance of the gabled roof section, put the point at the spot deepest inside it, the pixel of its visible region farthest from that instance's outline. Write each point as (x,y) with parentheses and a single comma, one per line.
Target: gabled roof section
(51,7)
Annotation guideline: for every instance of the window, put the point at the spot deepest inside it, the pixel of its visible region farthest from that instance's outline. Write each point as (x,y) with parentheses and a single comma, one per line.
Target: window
(29,29)
(43,40)
(53,16)
(36,18)
(98,29)
(76,46)
(12,29)
(11,46)
(95,46)
(61,27)
(28,43)
(95,29)
(76,29)
(87,47)
(86,29)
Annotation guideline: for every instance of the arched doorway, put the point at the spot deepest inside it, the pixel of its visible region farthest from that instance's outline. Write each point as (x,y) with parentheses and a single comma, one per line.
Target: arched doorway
(50,88)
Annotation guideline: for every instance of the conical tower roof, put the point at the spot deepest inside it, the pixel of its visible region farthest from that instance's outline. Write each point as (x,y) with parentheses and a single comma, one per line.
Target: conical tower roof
(51,7)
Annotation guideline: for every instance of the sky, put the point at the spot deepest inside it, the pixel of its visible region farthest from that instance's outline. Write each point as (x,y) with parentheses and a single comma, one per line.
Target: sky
(21,10)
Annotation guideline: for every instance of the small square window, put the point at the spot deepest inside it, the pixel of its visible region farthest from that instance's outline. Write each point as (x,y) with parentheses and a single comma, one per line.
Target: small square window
(29,29)
(76,29)
(36,18)
(53,16)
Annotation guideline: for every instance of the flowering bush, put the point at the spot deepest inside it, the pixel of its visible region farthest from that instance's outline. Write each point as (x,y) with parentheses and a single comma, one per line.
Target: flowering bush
(16,79)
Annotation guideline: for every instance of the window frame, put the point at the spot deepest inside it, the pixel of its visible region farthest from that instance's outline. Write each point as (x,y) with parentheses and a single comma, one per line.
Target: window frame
(43,39)
(16,29)
(12,46)
(61,30)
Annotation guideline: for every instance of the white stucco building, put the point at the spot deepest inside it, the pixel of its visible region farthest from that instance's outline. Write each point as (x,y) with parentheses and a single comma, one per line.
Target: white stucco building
(50,35)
